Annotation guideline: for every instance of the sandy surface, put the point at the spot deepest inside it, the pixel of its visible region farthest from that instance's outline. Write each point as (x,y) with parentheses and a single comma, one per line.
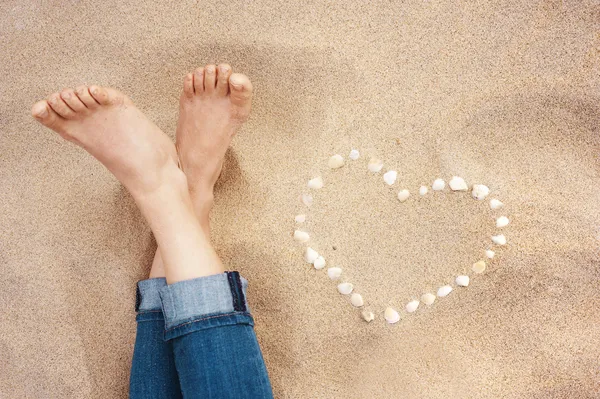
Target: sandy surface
(504,93)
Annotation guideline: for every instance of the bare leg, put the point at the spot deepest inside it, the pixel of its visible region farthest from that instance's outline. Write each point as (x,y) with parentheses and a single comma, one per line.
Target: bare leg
(213,106)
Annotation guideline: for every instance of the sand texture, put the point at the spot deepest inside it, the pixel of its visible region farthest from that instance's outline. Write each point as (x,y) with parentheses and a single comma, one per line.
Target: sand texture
(505,93)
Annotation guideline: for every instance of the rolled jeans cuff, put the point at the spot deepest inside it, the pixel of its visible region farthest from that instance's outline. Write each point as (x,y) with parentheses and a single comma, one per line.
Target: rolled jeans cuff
(205,302)
(147,296)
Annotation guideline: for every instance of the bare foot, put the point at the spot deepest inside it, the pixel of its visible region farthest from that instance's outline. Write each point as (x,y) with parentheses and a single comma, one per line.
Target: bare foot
(213,106)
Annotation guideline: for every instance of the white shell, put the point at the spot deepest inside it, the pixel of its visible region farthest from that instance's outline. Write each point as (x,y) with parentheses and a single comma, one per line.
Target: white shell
(307,199)
(412,306)
(368,316)
(423,190)
(403,195)
(334,273)
(310,255)
(438,185)
(480,191)
(391,316)
(357,300)
(496,204)
(319,263)
(390,177)
(444,291)
(479,267)
(336,161)
(354,155)
(375,165)
(301,236)
(345,288)
(490,254)
(300,218)
(502,221)
(499,239)
(428,299)
(458,184)
(315,183)
(462,281)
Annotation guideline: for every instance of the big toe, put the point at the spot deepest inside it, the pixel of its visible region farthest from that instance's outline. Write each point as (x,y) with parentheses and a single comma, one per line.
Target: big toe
(44,114)
(241,90)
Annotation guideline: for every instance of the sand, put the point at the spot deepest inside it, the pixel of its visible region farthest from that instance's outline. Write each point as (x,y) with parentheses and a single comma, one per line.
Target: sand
(501,93)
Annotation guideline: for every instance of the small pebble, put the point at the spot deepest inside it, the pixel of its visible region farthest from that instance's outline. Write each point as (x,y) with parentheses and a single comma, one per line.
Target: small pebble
(334,273)
(495,204)
(390,177)
(319,263)
(480,191)
(423,190)
(412,306)
(300,218)
(315,183)
(479,267)
(375,165)
(499,239)
(368,316)
(345,288)
(310,255)
(462,281)
(301,236)
(356,300)
(391,316)
(438,185)
(336,161)
(307,199)
(458,184)
(490,254)
(502,221)
(444,291)
(403,195)
(428,299)
(354,155)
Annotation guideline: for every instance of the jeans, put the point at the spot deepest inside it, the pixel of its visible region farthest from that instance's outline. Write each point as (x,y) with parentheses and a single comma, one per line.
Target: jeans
(195,339)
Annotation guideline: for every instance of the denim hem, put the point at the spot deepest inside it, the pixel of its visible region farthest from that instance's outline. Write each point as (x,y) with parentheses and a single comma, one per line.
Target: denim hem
(208,321)
(147,296)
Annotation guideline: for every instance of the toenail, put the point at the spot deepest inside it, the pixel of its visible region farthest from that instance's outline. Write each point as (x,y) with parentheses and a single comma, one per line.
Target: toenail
(66,95)
(42,112)
(94,91)
(210,69)
(224,69)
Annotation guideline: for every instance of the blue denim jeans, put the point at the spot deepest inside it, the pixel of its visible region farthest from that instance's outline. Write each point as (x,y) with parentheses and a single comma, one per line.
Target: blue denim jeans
(195,339)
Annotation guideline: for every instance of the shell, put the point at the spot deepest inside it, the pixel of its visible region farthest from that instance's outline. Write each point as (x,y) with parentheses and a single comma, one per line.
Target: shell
(367,316)
(403,195)
(490,254)
(499,239)
(502,221)
(462,281)
(357,300)
(319,263)
(336,161)
(354,155)
(495,204)
(458,184)
(390,177)
(428,299)
(300,218)
(423,190)
(301,236)
(345,288)
(438,185)
(479,267)
(307,199)
(375,165)
(316,183)
(310,255)
(480,191)
(334,273)
(412,306)
(444,291)
(391,316)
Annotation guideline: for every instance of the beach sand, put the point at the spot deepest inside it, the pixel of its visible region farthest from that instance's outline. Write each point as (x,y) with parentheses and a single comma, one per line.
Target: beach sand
(501,93)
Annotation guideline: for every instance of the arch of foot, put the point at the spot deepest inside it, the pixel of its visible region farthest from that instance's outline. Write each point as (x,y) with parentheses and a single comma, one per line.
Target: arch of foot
(479,192)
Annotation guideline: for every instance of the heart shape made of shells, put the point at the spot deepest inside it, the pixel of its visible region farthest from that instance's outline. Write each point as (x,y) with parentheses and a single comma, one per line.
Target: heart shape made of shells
(457,184)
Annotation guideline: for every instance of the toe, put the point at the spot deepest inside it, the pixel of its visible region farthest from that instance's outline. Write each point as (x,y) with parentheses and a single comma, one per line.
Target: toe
(46,115)
(60,107)
(210,76)
(241,90)
(71,99)
(199,80)
(223,74)
(188,85)
(83,93)
(106,96)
